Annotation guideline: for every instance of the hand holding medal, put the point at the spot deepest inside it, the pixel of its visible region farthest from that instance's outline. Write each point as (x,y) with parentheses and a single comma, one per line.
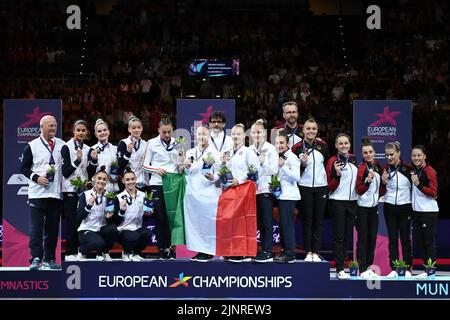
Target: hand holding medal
(123,204)
(385,177)
(414,178)
(91,199)
(338,165)
(304,158)
(131,144)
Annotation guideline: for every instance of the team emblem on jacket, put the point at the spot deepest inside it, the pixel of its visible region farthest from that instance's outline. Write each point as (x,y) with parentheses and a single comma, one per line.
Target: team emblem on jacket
(318,148)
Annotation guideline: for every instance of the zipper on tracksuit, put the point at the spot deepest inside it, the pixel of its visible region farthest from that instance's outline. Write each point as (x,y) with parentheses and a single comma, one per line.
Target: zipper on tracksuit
(314,168)
(376,188)
(351,180)
(396,190)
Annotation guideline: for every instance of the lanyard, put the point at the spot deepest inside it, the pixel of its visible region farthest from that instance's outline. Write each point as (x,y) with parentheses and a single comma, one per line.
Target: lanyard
(167,145)
(390,176)
(418,172)
(234,152)
(223,142)
(98,198)
(52,160)
(258,150)
(199,157)
(305,150)
(103,146)
(342,157)
(128,198)
(137,143)
(292,132)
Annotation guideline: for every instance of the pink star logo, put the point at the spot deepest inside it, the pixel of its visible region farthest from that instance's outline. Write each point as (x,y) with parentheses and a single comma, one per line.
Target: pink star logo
(33,118)
(386,117)
(207,114)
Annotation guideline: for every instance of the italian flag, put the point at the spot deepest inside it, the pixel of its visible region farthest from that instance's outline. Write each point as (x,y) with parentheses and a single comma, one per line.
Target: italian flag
(221,225)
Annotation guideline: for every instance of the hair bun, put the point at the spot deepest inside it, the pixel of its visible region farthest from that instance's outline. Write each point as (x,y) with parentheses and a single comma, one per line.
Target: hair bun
(127,170)
(262,122)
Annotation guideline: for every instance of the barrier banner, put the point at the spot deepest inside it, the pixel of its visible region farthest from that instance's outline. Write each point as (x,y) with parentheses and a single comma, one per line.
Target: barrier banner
(382,121)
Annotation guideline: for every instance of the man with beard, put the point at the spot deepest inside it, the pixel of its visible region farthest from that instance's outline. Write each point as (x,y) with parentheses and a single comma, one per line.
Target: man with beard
(294,129)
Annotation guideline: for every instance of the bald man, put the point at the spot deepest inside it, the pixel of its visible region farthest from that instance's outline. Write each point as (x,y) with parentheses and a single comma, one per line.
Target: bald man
(44,193)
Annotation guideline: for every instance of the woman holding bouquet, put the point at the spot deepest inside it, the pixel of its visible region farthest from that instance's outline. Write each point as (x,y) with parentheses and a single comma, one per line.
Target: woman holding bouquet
(104,154)
(131,152)
(96,231)
(161,156)
(74,169)
(132,235)
(201,197)
(268,159)
(289,173)
(240,159)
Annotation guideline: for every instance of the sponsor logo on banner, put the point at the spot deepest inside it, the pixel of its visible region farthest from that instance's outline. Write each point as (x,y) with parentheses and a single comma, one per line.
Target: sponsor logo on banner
(202,281)
(1,233)
(19,179)
(194,113)
(28,130)
(181,280)
(384,128)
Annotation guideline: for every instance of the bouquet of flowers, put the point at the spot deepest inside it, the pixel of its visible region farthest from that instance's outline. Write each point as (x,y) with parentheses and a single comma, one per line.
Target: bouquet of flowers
(114,171)
(275,185)
(252,173)
(225,176)
(51,173)
(149,203)
(79,184)
(208,162)
(110,197)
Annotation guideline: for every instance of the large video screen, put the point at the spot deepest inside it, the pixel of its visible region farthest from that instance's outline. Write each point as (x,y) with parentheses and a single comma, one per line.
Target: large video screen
(214,68)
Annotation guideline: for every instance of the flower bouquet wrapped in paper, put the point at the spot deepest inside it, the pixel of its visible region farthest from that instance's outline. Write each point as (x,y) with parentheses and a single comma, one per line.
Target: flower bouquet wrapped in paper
(275,185)
(225,176)
(208,162)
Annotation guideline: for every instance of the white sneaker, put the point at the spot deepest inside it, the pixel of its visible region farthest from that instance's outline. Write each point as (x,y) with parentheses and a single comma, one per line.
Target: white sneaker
(71,258)
(366,274)
(107,257)
(408,274)
(309,258)
(126,257)
(422,275)
(99,258)
(136,257)
(373,273)
(342,275)
(81,257)
(392,274)
(369,274)
(316,258)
